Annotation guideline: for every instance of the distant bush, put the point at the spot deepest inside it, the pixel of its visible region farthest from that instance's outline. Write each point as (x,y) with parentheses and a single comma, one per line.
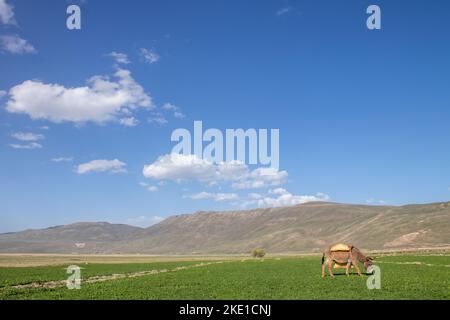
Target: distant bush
(258,253)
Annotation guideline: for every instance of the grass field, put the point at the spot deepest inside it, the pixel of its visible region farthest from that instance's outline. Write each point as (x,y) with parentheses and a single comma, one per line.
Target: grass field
(402,277)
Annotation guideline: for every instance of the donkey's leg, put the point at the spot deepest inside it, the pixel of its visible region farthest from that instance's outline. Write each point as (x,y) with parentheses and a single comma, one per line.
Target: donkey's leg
(330,268)
(355,263)
(323,270)
(347,268)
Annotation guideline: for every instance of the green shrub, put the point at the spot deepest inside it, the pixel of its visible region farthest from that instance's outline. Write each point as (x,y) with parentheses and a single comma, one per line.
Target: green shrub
(258,253)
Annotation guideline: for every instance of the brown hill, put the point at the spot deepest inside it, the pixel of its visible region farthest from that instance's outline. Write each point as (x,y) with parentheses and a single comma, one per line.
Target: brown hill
(303,228)
(85,237)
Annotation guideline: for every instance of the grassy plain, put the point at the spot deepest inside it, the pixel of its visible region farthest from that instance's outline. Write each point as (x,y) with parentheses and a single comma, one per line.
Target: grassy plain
(405,276)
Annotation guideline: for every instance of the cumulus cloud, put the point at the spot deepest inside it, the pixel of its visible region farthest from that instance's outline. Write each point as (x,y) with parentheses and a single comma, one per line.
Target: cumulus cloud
(149,187)
(62,159)
(158,118)
(6,13)
(3,93)
(278,191)
(254,196)
(129,122)
(149,56)
(283,11)
(112,166)
(179,167)
(376,201)
(100,101)
(144,221)
(152,188)
(177,113)
(27,146)
(280,197)
(169,106)
(119,57)
(27,136)
(260,178)
(218,197)
(16,45)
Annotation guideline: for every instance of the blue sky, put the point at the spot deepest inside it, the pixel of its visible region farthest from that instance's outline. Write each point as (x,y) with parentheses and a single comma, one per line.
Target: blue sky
(363,115)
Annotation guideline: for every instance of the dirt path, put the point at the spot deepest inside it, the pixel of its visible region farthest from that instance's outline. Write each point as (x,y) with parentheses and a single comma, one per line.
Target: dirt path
(61,283)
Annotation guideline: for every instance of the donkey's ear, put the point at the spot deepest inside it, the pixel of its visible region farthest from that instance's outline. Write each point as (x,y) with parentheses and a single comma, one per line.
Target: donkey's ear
(369,258)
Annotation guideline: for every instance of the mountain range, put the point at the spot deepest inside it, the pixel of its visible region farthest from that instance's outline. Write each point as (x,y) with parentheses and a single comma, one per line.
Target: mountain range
(308,227)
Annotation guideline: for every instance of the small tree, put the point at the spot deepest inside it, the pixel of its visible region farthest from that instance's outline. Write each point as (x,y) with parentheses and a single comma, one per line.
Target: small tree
(258,253)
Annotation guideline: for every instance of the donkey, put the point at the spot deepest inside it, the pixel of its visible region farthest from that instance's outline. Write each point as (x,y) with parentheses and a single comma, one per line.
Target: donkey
(348,258)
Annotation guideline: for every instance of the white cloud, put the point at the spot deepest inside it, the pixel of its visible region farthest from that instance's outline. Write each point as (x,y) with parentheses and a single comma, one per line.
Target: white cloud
(144,221)
(254,196)
(113,166)
(28,146)
(120,57)
(27,136)
(201,196)
(283,11)
(101,100)
(148,187)
(149,56)
(178,167)
(129,122)
(3,93)
(152,188)
(6,13)
(375,201)
(261,178)
(16,45)
(177,113)
(158,118)
(218,197)
(170,107)
(281,197)
(63,159)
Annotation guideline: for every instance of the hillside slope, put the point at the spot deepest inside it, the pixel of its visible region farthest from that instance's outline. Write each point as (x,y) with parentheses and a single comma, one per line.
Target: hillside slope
(86,237)
(306,228)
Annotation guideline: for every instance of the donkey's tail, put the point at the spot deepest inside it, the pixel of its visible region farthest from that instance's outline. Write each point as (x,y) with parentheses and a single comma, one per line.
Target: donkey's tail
(323,258)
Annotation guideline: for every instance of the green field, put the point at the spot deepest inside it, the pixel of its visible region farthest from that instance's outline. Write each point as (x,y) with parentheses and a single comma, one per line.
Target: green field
(402,277)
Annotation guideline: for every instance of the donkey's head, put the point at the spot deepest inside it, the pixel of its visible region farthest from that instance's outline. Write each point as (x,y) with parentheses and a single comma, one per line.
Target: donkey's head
(368,265)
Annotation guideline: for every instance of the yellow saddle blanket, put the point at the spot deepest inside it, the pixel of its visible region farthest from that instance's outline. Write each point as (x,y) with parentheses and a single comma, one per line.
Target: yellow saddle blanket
(341,247)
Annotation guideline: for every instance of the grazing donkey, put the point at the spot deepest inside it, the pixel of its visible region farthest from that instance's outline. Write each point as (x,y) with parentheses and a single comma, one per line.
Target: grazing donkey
(345,255)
